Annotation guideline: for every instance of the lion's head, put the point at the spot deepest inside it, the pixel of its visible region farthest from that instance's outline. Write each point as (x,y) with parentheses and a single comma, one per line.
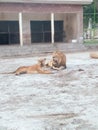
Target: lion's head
(59,59)
(42,62)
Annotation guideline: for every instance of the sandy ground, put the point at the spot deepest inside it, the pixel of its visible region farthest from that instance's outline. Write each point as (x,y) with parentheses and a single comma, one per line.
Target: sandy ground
(65,100)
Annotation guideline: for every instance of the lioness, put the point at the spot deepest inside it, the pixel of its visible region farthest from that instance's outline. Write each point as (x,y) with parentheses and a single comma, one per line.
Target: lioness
(94,55)
(58,60)
(36,68)
(52,64)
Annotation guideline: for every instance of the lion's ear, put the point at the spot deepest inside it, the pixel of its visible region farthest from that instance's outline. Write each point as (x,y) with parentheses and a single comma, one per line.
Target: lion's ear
(44,59)
(41,60)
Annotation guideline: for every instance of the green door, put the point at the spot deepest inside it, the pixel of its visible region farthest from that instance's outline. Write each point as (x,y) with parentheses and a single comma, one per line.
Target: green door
(9,32)
(58,27)
(41,31)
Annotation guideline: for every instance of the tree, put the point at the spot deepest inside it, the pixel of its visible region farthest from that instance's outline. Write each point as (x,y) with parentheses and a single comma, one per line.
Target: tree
(90,11)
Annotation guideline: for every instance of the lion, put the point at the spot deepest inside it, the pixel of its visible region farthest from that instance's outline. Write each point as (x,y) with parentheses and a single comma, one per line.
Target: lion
(94,55)
(52,64)
(33,69)
(58,60)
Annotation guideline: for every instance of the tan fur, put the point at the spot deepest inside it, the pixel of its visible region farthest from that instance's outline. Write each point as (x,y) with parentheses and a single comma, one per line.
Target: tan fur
(51,64)
(94,55)
(36,68)
(58,60)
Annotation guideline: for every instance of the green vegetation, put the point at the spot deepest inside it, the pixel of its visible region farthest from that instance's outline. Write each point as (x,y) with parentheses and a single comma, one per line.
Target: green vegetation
(91,41)
(91,12)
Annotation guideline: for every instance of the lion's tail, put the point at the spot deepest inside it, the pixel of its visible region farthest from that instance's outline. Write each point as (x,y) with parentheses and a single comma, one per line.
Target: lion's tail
(8,72)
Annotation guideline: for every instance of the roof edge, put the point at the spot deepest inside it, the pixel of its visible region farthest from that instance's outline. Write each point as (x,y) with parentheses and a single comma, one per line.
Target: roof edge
(80,2)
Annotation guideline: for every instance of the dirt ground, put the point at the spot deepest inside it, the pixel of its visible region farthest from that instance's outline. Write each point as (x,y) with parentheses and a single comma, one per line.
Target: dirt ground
(65,100)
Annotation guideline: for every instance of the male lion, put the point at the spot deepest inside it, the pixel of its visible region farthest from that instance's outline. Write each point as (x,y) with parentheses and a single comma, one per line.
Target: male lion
(36,68)
(58,60)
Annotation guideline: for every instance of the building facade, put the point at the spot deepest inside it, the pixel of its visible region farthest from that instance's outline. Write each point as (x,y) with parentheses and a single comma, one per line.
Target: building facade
(39,21)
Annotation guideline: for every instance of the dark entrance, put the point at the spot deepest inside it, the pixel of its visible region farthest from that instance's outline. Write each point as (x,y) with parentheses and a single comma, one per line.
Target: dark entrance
(41,31)
(58,27)
(9,32)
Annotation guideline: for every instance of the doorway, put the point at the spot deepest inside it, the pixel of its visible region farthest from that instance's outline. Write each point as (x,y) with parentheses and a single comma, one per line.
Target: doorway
(9,32)
(41,31)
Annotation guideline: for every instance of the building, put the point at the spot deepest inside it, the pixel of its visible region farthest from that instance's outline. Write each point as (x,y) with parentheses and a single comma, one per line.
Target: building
(41,21)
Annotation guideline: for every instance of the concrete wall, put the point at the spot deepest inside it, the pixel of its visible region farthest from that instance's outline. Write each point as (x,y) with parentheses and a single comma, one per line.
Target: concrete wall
(72,15)
(72,24)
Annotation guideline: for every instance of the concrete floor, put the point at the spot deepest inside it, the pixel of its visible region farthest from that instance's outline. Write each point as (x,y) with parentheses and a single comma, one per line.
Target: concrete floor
(65,100)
